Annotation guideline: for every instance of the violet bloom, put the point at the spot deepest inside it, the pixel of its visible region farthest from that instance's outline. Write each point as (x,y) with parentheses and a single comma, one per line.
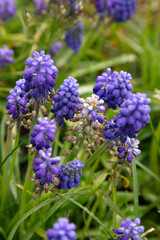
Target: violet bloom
(70,174)
(121,10)
(66,100)
(129,230)
(40,76)
(55,48)
(92,107)
(17,101)
(114,87)
(45,167)
(6,56)
(134,114)
(41,5)
(43,133)
(74,35)
(129,149)
(62,230)
(7,9)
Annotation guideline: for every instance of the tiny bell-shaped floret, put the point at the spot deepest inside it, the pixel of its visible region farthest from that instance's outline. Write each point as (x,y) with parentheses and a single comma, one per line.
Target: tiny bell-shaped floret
(62,230)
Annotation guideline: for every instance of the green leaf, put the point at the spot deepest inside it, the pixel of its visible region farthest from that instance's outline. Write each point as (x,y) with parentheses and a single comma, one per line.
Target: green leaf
(135,189)
(90,213)
(99,181)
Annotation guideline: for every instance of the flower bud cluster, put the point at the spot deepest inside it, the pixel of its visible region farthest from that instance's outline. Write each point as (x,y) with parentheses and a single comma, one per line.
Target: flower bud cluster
(40,76)
(43,133)
(6,56)
(17,101)
(113,88)
(62,230)
(7,9)
(74,35)
(66,100)
(121,10)
(70,174)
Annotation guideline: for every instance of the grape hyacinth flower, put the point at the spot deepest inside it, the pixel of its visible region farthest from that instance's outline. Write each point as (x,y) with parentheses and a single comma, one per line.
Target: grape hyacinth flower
(6,56)
(43,133)
(74,35)
(129,149)
(101,7)
(91,107)
(7,9)
(113,88)
(112,129)
(66,100)
(17,101)
(41,5)
(45,167)
(55,48)
(40,76)
(121,10)
(134,114)
(70,174)
(62,230)
(129,230)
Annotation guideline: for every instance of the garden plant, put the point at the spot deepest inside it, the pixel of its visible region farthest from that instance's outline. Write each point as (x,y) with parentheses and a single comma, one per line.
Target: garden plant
(79,119)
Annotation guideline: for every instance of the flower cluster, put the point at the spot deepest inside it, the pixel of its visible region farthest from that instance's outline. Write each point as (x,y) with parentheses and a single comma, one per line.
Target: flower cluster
(43,133)
(55,48)
(129,150)
(129,230)
(6,56)
(113,88)
(121,10)
(40,76)
(17,102)
(134,114)
(45,167)
(7,9)
(70,174)
(62,230)
(66,100)
(91,108)
(74,35)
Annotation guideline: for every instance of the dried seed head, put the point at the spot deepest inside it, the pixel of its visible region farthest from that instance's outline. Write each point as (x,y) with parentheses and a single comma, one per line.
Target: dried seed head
(65,153)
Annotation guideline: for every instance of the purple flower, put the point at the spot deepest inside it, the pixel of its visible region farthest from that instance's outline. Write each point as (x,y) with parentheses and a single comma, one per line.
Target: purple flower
(16,100)
(134,114)
(129,149)
(101,7)
(62,230)
(66,100)
(92,107)
(45,167)
(7,9)
(112,129)
(129,230)
(70,174)
(40,75)
(113,88)
(43,133)
(74,35)
(121,10)
(5,56)
(41,5)
(55,48)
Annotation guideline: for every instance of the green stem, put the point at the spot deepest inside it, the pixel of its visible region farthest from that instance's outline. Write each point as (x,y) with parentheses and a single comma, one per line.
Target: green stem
(5,166)
(114,194)
(135,189)
(11,169)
